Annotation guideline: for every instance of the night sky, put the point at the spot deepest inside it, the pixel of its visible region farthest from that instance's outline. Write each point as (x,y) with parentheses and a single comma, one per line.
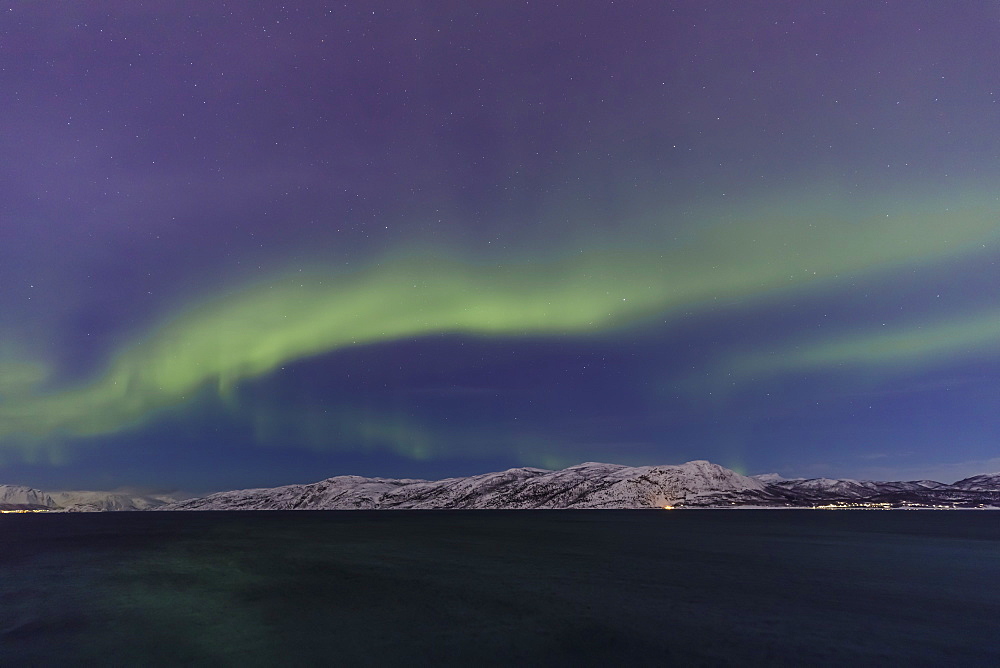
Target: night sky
(253,243)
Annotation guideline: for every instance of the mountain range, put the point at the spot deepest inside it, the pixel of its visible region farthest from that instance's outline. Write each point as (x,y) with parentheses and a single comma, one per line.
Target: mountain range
(19,497)
(696,484)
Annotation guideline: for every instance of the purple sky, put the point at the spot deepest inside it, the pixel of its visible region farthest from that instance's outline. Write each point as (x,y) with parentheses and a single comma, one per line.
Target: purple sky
(759,233)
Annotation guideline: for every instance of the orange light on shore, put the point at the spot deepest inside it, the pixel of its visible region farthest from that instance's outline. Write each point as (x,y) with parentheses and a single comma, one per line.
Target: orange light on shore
(668,507)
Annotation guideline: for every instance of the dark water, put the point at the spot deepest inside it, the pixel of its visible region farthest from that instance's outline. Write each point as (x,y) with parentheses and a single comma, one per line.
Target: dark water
(501,588)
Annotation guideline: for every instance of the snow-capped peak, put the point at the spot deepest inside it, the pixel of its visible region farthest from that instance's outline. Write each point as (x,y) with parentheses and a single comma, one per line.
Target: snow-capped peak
(587,485)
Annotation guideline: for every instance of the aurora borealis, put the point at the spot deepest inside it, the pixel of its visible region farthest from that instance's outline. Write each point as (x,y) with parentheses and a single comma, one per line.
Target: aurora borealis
(246,246)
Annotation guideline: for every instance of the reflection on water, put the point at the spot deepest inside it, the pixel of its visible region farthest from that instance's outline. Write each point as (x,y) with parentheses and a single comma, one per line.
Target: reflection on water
(591,587)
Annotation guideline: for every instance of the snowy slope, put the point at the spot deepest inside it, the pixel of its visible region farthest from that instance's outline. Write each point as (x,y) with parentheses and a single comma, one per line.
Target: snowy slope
(82,501)
(590,485)
(827,488)
(987,482)
(19,495)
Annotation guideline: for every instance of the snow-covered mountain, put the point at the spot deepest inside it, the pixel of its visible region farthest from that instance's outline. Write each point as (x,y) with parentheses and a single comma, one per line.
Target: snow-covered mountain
(825,488)
(19,496)
(976,492)
(987,482)
(82,501)
(697,484)
(590,485)
(768,478)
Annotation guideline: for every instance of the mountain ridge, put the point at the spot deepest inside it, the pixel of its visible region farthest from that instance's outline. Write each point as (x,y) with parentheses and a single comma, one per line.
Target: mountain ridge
(587,485)
(22,497)
(593,485)
(695,484)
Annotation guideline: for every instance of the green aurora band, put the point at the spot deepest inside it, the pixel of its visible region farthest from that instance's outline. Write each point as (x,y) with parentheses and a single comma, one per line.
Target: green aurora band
(222,340)
(911,347)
